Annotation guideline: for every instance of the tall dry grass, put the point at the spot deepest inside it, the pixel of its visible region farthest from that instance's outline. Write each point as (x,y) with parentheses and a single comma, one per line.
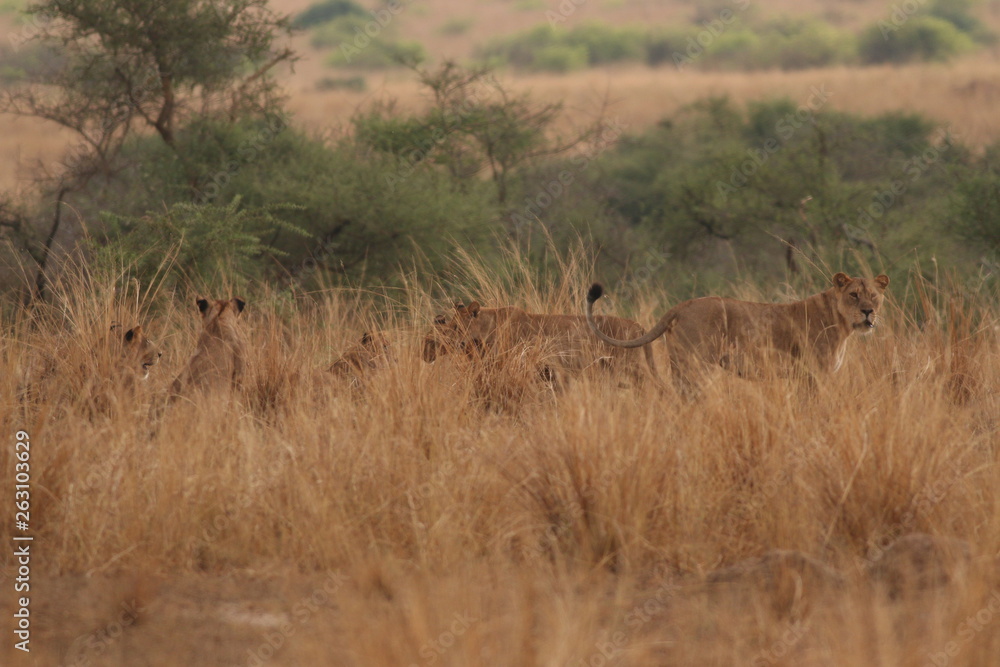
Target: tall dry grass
(404,520)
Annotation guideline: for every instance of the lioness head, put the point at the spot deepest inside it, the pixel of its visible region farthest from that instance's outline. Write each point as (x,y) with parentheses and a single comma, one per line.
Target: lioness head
(219,315)
(466,330)
(859,300)
(139,353)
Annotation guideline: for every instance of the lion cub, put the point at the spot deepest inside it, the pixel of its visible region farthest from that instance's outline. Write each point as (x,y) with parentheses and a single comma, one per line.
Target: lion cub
(218,360)
(370,353)
(138,353)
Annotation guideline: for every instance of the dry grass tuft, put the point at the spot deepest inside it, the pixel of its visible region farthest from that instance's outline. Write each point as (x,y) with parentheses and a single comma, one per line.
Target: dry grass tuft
(463,513)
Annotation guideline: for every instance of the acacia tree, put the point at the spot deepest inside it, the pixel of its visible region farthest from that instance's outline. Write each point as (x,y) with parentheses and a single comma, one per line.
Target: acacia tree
(474,124)
(125,65)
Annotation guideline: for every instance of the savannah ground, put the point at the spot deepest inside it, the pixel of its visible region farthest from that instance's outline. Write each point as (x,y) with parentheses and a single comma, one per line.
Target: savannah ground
(450,514)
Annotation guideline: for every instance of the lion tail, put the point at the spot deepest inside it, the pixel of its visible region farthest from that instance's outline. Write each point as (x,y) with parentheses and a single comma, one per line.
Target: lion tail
(596,292)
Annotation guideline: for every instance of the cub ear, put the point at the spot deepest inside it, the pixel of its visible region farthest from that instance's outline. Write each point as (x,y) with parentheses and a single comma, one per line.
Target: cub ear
(366,338)
(882,281)
(239,303)
(132,333)
(202,304)
(440,319)
(841,279)
(459,306)
(474,308)
(116,325)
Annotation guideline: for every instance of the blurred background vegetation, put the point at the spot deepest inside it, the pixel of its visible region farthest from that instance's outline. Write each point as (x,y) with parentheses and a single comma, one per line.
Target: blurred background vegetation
(218,174)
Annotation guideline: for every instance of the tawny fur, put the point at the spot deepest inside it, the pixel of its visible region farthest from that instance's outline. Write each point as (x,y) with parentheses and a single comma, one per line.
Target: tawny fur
(370,353)
(218,360)
(743,336)
(565,338)
(137,351)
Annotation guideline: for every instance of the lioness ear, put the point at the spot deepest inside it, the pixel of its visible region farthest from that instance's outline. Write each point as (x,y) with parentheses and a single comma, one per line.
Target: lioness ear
(366,338)
(132,333)
(239,303)
(882,281)
(841,279)
(474,308)
(440,319)
(202,304)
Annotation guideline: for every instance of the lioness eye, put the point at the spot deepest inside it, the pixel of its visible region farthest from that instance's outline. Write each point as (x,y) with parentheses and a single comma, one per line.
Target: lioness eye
(855,295)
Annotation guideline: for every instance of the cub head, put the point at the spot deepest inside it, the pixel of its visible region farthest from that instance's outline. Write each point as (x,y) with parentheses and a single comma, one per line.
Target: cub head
(372,351)
(466,330)
(859,300)
(139,353)
(218,315)
(372,347)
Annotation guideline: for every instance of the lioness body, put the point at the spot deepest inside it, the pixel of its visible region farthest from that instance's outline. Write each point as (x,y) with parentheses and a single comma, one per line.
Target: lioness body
(742,336)
(370,353)
(218,359)
(565,339)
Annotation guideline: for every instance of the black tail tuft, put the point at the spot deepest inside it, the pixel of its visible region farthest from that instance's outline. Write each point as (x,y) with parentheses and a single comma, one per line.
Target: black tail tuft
(594,293)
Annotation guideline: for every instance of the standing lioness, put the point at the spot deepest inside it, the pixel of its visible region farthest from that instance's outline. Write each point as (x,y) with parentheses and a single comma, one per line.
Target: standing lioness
(562,341)
(218,360)
(741,335)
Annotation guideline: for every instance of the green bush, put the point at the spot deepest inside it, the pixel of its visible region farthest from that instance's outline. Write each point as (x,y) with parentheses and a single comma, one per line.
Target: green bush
(975,206)
(802,43)
(721,185)
(784,43)
(547,48)
(352,83)
(560,58)
(353,47)
(328,10)
(732,49)
(381,129)
(203,243)
(456,26)
(918,38)
(378,55)
(605,44)
(958,13)
(365,210)
(665,45)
